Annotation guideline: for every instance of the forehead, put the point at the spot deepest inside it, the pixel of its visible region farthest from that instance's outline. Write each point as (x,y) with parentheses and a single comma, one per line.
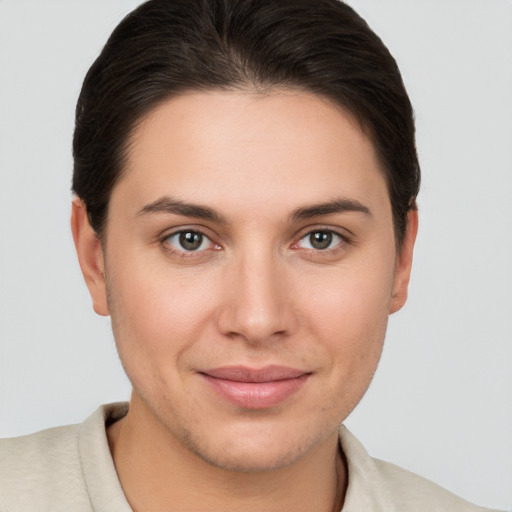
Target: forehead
(285,147)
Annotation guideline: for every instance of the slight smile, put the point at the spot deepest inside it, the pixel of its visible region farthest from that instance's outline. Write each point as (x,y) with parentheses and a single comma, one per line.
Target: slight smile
(255,388)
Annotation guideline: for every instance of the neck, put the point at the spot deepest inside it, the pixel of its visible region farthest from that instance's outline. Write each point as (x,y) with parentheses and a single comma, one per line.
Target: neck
(158,473)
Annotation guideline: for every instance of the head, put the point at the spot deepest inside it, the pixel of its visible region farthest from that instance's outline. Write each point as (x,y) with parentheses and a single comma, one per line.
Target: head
(247,175)
(321,47)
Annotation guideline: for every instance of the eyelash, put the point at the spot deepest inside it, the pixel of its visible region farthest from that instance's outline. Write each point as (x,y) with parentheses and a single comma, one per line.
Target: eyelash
(183,252)
(342,240)
(331,237)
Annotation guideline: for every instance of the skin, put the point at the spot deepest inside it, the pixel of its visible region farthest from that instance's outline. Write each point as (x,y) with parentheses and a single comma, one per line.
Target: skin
(256,293)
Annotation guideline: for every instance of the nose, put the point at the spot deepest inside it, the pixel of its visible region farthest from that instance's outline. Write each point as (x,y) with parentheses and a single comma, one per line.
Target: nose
(258,305)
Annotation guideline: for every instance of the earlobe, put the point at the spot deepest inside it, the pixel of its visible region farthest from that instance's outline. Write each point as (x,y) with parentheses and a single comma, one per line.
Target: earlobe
(90,256)
(404,264)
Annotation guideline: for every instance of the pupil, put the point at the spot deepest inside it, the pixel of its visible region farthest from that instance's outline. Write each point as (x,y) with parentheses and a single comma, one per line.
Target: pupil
(190,240)
(320,239)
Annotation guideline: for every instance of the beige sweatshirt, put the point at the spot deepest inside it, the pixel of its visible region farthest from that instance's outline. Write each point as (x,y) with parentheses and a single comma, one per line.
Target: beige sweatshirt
(70,469)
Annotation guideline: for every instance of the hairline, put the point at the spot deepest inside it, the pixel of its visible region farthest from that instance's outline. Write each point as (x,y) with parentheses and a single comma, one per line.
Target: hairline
(260,90)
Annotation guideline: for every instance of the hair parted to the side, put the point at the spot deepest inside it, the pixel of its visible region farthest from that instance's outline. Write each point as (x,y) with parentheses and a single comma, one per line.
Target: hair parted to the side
(168,47)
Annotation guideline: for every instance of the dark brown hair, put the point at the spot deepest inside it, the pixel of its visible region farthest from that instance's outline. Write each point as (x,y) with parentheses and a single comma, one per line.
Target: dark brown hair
(167,47)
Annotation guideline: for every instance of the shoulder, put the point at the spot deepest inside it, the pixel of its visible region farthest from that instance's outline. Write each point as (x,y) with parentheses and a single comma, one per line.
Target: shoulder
(35,447)
(63,468)
(413,492)
(378,485)
(34,469)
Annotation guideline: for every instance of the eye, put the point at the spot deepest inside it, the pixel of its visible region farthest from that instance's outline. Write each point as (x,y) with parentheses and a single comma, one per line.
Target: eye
(188,241)
(320,240)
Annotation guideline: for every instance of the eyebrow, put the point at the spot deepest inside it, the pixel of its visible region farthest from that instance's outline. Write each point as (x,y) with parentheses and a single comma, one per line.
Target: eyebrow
(171,205)
(340,205)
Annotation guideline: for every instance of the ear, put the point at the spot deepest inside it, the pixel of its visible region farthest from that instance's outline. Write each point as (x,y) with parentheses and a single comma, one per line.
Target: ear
(90,256)
(404,263)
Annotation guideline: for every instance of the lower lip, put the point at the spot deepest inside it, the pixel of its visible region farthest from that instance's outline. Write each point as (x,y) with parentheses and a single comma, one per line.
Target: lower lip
(256,395)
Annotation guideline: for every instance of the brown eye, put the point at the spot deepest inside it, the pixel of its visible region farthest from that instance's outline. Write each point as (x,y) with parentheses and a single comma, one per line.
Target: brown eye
(188,241)
(320,240)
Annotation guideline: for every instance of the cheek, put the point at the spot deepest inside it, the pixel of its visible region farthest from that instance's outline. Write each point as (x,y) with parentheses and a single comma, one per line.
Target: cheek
(351,301)
(354,326)
(350,311)
(155,314)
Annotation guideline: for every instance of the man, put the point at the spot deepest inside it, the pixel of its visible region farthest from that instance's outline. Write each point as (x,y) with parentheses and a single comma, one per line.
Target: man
(246,180)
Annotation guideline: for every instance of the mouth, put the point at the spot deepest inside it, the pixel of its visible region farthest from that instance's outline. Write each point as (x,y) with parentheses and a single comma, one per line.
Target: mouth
(255,388)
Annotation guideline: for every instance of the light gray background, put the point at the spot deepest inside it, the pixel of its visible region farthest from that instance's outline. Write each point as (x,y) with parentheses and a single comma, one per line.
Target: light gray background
(441,403)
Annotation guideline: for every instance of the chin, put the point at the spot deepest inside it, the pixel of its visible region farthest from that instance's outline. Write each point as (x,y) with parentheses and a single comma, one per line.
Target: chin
(252,447)
(248,457)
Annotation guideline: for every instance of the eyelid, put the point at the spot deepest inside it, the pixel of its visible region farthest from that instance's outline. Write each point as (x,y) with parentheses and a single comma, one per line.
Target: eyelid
(345,236)
(164,237)
(337,230)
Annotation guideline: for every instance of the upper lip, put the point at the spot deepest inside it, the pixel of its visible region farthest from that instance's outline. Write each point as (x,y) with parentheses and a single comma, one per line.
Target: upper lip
(245,374)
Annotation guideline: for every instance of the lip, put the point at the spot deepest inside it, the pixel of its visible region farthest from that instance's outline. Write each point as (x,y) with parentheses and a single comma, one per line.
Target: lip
(252,388)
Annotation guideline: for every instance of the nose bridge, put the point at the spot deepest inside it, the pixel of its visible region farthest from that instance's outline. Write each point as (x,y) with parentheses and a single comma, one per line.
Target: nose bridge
(257,306)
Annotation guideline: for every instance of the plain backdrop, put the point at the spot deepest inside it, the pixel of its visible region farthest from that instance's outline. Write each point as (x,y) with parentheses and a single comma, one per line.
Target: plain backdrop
(441,402)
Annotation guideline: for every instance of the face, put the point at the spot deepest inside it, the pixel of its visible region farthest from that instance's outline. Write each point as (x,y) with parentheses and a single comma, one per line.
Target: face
(250,270)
